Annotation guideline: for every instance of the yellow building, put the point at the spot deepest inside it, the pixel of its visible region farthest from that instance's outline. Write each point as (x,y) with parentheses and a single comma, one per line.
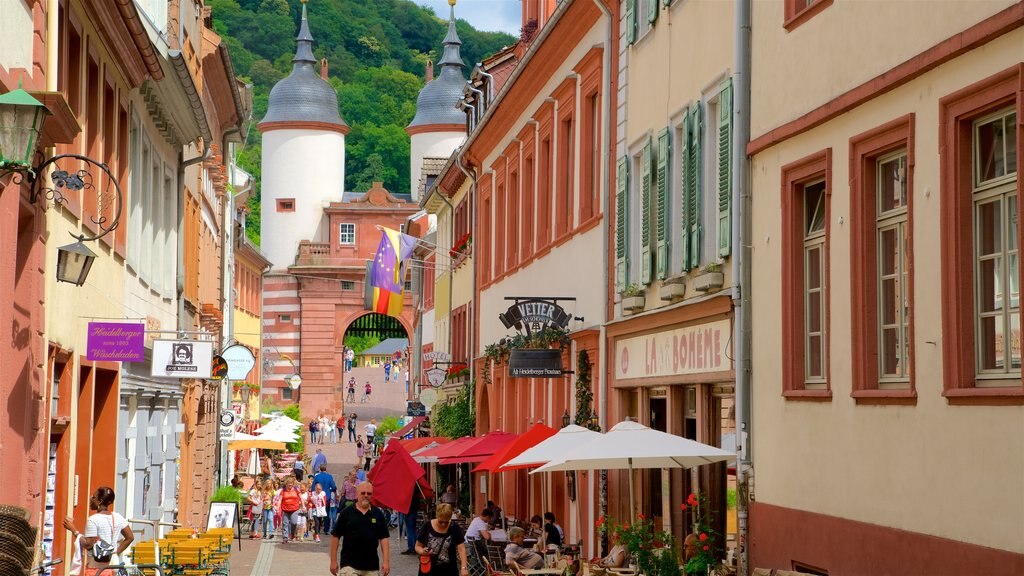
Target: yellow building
(885,174)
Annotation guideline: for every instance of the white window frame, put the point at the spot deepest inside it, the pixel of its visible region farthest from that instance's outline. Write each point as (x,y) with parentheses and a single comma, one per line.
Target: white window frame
(893,220)
(1001,189)
(814,240)
(342,234)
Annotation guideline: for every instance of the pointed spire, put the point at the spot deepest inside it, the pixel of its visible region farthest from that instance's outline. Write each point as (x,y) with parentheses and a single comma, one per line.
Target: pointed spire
(451,56)
(304,50)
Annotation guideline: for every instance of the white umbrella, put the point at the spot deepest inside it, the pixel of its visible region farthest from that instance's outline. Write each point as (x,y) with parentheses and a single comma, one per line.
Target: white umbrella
(631,445)
(278,436)
(252,466)
(282,423)
(553,448)
(242,436)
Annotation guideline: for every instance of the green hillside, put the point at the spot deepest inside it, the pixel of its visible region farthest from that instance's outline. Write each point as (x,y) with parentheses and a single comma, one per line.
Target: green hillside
(377,51)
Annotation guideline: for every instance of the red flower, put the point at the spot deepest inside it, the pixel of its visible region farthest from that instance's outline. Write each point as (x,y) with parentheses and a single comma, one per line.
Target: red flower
(703,537)
(640,516)
(706,548)
(682,507)
(692,500)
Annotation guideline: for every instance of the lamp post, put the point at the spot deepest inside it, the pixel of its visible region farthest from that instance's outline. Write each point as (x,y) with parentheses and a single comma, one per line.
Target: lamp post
(566,419)
(294,381)
(21,123)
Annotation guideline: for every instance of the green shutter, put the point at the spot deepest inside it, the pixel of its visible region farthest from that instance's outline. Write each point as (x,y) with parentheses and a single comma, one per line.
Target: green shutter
(725,171)
(621,225)
(684,191)
(662,176)
(695,184)
(630,21)
(666,2)
(652,10)
(645,213)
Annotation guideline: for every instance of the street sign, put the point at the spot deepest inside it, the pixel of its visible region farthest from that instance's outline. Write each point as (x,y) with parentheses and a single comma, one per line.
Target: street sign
(535,363)
(227,424)
(436,376)
(219,368)
(428,397)
(240,361)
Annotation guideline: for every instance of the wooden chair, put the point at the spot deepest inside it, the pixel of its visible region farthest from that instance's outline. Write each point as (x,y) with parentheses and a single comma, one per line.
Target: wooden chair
(515,568)
(491,571)
(496,554)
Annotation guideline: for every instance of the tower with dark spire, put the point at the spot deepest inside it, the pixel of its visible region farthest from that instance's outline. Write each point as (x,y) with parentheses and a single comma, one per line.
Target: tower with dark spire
(303,160)
(439,126)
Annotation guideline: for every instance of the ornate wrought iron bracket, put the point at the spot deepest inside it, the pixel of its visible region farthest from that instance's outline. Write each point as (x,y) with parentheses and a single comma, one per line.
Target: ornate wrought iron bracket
(77,177)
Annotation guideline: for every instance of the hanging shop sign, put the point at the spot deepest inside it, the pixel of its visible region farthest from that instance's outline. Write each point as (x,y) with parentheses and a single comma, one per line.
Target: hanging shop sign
(416,408)
(115,342)
(436,376)
(182,358)
(535,363)
(700,349)
(218,368)
(428,397)
(535,314)
(438,356)
(240,361)
(227,424)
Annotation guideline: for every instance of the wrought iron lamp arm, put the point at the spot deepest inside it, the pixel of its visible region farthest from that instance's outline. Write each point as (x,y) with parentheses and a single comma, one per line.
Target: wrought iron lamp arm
(81,179)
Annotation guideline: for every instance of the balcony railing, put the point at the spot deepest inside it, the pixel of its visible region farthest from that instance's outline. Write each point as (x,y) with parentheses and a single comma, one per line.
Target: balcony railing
(314,254)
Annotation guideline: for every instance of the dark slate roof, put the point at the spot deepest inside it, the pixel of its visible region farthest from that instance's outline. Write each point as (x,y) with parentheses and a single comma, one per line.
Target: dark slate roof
(387,347)
(303,96)
(437,100)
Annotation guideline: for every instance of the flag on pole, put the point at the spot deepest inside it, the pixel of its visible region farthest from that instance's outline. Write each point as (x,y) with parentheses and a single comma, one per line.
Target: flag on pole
(387,275)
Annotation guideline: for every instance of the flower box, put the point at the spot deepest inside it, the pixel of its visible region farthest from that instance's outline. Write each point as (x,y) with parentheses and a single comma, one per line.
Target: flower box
(708,281)
(672,291)
(633,303)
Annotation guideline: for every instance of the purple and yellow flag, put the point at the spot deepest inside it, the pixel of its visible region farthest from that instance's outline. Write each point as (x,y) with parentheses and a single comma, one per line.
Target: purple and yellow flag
(387,275)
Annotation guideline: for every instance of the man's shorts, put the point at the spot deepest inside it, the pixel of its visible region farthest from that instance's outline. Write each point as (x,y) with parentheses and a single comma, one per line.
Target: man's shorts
(350,571)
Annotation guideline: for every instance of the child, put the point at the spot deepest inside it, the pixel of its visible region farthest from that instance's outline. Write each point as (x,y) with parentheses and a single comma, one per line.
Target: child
(301,525)
(318,501)
(278,515)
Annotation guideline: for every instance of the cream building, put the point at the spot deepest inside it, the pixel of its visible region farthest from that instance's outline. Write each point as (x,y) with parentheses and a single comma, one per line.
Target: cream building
(888,416)
(673,259)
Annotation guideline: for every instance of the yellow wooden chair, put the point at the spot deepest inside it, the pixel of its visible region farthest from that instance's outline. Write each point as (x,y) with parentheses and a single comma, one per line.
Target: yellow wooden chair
(191,558)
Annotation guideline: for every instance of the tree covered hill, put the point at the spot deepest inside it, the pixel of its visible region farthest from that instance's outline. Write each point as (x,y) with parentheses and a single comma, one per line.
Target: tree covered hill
(377,51)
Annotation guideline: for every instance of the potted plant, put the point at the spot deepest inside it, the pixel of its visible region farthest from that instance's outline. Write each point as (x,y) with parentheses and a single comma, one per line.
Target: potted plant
(633,297)
(711,279)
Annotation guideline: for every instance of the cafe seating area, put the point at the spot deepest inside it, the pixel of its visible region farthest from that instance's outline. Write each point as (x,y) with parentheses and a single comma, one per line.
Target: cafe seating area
(184,553)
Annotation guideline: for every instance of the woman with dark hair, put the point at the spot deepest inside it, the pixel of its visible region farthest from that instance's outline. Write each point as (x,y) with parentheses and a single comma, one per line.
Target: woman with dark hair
(107,528)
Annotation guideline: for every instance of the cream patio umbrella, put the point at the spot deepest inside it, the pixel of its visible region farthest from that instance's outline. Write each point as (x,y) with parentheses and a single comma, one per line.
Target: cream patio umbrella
(632,446)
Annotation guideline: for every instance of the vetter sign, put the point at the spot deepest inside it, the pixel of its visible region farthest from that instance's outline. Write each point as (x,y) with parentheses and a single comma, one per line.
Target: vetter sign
(700,349)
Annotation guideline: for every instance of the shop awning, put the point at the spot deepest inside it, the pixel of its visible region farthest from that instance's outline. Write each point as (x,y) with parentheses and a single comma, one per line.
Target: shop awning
(414,445)
(528,439)
(445,451)
(482,449)
(409,427)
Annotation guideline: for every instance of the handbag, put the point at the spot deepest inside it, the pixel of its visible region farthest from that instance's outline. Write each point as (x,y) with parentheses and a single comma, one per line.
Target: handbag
(103,551)
(425,564)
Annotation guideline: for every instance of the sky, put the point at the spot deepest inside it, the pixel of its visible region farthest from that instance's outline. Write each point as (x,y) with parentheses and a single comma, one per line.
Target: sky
(487,15)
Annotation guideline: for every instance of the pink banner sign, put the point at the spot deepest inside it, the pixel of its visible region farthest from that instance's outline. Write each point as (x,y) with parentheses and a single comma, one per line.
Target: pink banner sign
(116,342)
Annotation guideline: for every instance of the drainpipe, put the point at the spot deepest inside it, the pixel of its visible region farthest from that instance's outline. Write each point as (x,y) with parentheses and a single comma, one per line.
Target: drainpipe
(490,82)
(182,165)
(483,105)
(741,275)
(606,203)
(471,174)
(472,114)
(227,298)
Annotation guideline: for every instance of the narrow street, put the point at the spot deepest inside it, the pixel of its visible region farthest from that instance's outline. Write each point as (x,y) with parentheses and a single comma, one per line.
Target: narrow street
(271,557)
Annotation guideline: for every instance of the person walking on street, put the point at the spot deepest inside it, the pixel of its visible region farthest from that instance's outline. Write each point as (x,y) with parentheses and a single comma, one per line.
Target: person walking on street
(107,528)
(348,489)
(326,480)
(371,432)
(352,427)
(442,546)
(359,531)
(312,430)
(350,355)
(318,505)
(291,504)
(268,509)
(387,371)
(299,467)
(340,426)
(366,392)
(319,459)
(396,372)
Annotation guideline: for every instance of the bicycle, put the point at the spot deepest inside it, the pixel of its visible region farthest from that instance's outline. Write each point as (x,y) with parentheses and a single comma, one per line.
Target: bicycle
(45,566)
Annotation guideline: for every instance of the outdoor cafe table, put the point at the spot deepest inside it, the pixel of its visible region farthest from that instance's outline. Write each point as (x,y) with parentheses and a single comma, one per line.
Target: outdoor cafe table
(552,571)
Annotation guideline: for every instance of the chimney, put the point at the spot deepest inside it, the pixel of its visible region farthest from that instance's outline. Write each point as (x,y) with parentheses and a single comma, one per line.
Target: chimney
(430,71)
(323,68)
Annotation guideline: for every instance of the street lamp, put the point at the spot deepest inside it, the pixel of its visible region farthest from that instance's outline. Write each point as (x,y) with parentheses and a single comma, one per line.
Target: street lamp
(294,381)
(21,123)
(566,420)
(595,422)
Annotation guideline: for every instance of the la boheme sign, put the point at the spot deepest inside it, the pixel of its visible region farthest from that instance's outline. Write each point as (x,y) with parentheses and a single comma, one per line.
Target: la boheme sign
(115,342)
(700,349)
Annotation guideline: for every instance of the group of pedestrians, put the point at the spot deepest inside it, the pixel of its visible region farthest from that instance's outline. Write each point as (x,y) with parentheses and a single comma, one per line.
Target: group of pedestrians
(332,430)
(350,389)
(298,508)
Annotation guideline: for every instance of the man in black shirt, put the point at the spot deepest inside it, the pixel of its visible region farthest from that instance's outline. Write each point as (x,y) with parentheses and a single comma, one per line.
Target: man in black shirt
(363,528)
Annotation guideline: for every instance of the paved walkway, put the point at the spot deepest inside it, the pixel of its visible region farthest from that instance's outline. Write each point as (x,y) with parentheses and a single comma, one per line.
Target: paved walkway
(272,557)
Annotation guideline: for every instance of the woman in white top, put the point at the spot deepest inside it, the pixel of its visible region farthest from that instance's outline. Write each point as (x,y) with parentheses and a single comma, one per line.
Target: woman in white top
(108,526)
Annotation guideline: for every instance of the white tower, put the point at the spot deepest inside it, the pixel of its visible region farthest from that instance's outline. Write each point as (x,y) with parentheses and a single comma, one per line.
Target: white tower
(438,127)
(303,157)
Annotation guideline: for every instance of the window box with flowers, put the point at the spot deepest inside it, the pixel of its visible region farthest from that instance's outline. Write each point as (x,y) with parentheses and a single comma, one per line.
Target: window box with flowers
(633,298)
(457,372)
(461,250)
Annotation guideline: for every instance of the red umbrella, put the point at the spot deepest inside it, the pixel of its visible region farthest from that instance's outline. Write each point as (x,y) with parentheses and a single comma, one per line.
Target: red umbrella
(480,450)
(394,477)
(527,440)
(413,444)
